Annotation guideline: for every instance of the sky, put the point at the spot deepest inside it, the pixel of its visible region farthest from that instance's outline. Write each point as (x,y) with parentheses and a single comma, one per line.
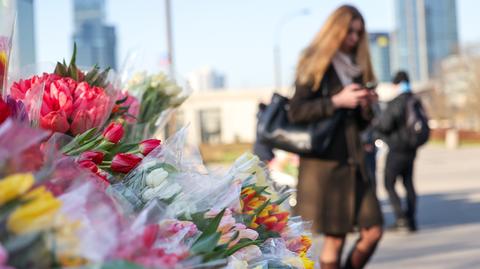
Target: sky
(235,37)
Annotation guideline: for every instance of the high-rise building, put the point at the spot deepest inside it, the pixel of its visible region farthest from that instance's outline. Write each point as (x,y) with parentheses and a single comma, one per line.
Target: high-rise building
(380,54)
(96,42)
(206,79)
(426,33)
(23,45)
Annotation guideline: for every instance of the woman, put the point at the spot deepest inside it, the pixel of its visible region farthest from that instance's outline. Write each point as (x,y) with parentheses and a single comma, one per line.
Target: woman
(333,189)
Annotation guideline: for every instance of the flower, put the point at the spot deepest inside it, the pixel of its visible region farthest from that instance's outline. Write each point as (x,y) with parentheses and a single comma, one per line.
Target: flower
(18,109)
(148,145)
(165,191)
(89,165)
(5,111)
(68,106)
(56,121)
(15,185)
(236,233)
(299,244)
(156,177)
(307,263)
(36,214)
(113,133)
(171,227)
(248,253)
(94,156)
(124,162)
(90,108)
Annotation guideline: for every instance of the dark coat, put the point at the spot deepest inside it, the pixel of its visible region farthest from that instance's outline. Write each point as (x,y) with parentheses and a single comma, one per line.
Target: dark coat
(333,189)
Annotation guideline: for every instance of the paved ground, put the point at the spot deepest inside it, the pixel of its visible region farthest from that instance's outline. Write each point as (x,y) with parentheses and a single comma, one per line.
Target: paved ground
(448,184)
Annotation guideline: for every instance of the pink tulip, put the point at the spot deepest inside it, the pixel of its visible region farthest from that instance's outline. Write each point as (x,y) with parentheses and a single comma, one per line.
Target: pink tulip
(94,156)
(124,162)
(148,145)
(90,108)
(113,132)
(55,121)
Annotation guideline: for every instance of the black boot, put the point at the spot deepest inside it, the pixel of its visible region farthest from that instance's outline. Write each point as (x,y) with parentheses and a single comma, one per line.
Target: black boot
(358,258)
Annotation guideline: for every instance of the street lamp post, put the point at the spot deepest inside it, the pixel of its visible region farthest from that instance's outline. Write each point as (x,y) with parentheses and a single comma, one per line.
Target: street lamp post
(172,123)
(277,64)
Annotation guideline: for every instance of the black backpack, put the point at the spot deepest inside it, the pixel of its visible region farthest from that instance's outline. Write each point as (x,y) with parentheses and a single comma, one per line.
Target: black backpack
(417,130)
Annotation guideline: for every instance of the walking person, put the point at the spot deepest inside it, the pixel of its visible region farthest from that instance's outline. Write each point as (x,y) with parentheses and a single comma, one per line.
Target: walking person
(404,126)
(333,189)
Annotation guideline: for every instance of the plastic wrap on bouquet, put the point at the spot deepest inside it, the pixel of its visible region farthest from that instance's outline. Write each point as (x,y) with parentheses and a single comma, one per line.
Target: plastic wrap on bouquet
(277,255)
(136,131)
(7,26)
(153,174)
(153,241)
(96,225)
(159,97)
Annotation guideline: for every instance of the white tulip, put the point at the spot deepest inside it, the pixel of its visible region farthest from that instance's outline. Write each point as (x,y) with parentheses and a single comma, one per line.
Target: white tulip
(156,177)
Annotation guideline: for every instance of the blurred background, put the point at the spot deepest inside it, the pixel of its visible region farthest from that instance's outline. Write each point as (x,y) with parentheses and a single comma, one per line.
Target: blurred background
(235,54)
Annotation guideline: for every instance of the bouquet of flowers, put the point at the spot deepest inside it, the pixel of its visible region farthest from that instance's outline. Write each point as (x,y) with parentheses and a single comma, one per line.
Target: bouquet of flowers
(158,97)
(72,101)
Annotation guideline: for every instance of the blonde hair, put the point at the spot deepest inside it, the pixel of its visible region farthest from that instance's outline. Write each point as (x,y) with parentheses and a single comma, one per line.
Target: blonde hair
(317,57)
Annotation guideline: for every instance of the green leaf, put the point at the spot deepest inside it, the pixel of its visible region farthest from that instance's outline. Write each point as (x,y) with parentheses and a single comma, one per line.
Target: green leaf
(74,55)
(92,74)
(87,146)
(120,265)
(121,101)
(205,244)
(262,207)
(16,243)
(209,237)
(282,199)
(8,208)
(212,228)
(169,168)
(60,70)
(122,148)
(241,244)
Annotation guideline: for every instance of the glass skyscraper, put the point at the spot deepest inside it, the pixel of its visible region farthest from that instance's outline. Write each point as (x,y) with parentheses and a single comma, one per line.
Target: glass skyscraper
(23,47)
(426,33)
(380,55)
(96,42)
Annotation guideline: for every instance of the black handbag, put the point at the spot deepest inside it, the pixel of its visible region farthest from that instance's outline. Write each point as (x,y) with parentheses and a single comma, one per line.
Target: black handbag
(275,130)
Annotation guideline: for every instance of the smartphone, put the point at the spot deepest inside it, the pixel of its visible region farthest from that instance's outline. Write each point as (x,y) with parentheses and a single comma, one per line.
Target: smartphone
(369,86)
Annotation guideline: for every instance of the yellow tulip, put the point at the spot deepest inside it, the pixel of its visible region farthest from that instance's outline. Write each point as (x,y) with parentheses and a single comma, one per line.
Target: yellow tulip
(15,185)
(37,214)
(307,263)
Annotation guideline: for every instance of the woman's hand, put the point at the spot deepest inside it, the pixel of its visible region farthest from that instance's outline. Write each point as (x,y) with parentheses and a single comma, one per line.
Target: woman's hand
(350,97)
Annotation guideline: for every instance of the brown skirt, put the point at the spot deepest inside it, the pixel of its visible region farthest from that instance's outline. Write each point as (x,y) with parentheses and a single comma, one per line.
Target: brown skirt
(335,197)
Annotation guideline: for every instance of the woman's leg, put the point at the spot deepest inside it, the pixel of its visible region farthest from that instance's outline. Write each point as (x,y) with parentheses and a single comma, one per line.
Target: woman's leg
(332,251)
(364,248)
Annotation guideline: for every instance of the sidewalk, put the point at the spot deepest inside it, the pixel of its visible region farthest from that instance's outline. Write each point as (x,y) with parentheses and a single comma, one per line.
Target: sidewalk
(448,187)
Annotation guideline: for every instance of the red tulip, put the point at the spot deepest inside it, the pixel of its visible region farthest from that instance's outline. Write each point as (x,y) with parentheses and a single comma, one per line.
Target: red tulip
(148,145)
(89,165)
(124,162)
(94,156)
(113,132)
(5,111)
